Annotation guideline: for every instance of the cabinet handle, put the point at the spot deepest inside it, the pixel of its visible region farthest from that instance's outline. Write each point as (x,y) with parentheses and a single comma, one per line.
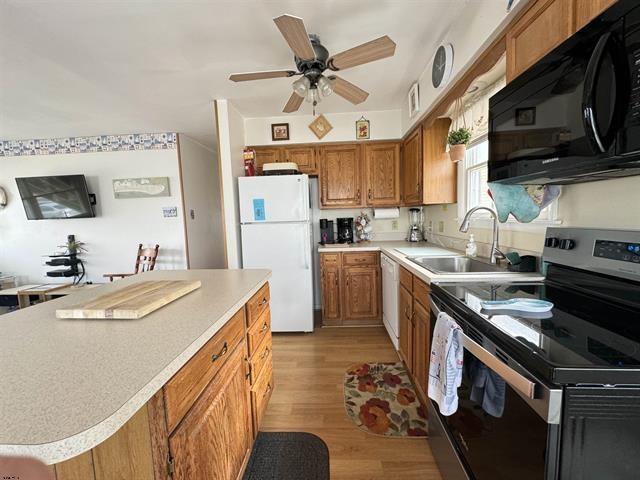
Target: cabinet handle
(264,354)
(418,187)
(264,327)
(216,356)
(262,302)
(406,312)
(358,195)
(266,392)
(336,280)
(248,375)
(369,194)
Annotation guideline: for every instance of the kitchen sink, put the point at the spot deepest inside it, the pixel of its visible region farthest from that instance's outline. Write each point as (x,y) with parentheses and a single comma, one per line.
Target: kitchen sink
(458,265)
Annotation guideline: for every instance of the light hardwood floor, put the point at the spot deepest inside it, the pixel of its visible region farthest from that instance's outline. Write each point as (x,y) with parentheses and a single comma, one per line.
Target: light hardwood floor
(308,373)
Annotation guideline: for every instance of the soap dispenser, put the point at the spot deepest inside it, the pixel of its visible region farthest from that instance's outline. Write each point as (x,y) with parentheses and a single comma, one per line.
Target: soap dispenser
(472,248)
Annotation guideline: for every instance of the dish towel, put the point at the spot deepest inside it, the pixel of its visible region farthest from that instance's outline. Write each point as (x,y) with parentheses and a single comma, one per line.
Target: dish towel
(487,388)
(445,369)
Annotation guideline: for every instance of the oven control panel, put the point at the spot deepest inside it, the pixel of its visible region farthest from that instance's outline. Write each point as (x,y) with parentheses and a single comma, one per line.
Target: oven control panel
(623,251)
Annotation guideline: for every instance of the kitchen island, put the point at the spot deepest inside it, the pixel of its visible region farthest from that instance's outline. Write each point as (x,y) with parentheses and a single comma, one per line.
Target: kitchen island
(73,386)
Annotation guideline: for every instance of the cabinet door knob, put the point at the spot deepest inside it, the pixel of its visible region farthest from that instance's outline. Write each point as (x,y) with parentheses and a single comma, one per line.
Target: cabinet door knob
(369,194)
(216,356)
(262,302)
(264,327)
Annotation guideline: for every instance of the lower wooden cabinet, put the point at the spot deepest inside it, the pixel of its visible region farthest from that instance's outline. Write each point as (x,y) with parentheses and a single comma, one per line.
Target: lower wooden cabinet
(415,331)
(203,421)
(351,288)
(214,439)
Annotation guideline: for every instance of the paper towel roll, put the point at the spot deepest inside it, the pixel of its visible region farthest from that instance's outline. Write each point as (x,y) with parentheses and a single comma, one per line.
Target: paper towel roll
(381,213)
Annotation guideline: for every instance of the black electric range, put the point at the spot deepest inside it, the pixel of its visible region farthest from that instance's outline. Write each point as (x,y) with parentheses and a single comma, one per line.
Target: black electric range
(591,336)
(564,397)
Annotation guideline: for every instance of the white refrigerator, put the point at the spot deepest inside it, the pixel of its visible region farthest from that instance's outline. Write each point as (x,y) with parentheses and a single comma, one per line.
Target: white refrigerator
(276,234)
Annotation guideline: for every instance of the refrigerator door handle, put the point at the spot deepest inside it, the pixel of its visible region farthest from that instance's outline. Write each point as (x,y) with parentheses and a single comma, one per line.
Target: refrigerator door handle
(307,252)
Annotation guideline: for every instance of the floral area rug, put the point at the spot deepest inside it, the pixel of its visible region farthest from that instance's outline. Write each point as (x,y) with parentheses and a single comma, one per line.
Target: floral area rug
(380,399)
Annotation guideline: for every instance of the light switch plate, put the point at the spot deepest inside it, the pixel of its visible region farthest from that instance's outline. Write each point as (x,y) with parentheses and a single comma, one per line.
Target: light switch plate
(168,212)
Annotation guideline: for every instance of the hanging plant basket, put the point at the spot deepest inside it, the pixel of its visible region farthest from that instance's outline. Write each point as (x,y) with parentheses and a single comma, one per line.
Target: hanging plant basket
(456,152)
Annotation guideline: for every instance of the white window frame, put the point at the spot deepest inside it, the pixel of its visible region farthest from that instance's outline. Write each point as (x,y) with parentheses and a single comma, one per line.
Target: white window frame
(483,219)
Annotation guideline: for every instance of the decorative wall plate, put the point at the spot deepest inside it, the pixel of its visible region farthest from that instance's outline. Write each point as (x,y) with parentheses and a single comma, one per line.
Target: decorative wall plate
(320,127)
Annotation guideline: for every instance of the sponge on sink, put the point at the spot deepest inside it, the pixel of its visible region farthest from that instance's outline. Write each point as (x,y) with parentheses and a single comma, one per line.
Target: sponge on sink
(513,257)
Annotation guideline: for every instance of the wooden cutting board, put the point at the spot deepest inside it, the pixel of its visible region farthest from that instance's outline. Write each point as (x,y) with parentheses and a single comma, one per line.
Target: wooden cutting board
(131,302)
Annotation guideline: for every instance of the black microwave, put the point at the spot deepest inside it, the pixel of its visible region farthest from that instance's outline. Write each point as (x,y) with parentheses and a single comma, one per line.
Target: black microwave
(574,116)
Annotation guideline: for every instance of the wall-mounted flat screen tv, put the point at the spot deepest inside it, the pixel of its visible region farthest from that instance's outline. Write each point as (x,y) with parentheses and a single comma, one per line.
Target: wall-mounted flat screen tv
(62,196)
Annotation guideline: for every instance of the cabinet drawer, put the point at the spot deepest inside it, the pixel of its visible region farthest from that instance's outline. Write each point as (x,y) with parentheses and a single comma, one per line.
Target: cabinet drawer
(406,279)
(181,391)
(421,291)
(258,304)
(261,358)
(330,258)
(360,258)
(259,330)
(260,395)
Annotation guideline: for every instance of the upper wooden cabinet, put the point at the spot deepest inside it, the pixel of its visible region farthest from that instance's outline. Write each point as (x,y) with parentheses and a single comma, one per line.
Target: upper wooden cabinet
(266,155)
(439,173)
(304,156)
(412,168)
(587,10)
(544,26)
(340,176)
(382,167)
(428,174)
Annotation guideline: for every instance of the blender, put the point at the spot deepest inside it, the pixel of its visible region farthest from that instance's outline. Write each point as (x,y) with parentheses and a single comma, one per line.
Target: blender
(415,225)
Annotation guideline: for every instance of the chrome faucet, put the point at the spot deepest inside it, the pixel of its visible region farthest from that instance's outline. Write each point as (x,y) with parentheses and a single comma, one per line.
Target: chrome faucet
(496,254)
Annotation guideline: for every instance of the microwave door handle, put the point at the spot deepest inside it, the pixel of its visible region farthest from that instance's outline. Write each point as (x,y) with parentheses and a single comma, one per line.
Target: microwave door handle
(589,116)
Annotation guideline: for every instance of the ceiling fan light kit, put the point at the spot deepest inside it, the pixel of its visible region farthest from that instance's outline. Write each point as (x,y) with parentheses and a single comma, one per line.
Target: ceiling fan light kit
(312,59)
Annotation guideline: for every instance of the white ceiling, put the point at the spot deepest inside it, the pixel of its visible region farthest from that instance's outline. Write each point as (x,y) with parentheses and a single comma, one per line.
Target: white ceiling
(88,67)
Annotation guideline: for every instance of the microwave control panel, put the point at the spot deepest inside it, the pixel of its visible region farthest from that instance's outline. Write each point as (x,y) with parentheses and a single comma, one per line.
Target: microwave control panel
(624,251)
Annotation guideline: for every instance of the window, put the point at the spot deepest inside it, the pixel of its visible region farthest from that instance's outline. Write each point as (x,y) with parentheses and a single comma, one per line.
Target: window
(475,192)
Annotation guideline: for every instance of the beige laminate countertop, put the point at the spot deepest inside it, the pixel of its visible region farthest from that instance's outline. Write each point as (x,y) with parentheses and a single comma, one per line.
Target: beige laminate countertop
(389,248)
(67,385)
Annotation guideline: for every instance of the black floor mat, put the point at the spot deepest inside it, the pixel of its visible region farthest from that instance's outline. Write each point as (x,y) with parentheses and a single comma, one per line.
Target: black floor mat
(288,456)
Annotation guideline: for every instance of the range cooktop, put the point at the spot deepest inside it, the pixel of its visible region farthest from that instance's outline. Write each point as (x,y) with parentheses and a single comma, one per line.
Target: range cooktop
(583,332)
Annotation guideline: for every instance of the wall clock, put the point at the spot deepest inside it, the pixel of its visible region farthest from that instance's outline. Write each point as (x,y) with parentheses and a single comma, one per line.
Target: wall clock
(442,65)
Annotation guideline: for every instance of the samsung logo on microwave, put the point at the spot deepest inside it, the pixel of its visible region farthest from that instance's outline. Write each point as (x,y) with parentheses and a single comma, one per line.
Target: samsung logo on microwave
(550,160)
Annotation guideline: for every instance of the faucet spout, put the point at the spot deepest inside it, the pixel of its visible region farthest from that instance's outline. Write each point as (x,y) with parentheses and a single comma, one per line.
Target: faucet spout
(464,227)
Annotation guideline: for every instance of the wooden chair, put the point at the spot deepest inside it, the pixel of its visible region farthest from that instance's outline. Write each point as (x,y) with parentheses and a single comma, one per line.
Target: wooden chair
(145,261)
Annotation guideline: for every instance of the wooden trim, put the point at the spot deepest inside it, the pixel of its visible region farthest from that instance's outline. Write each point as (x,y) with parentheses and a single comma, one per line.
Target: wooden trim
(184,205)
(220,186)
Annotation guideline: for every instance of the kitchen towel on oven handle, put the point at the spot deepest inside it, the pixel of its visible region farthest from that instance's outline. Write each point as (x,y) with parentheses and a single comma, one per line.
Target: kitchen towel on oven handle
(445,368)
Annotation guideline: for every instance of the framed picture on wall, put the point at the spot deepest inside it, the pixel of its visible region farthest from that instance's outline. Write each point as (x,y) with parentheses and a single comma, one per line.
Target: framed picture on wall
(362,129)
(279,131)
(414,100)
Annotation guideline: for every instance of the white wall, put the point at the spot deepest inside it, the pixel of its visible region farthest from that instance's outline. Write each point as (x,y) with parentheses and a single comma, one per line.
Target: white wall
(231,142)
(202,199)
(384,125)
(470,34)
(112,237)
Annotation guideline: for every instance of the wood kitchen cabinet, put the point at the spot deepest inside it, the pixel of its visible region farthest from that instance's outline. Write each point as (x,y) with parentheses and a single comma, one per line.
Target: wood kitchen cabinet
(544,26)
(412,168)
(382,167)
(351,288)
(428,174)
(340,176)
(214,439)
(267,155)
(203,421)
(415,331)
(303,156)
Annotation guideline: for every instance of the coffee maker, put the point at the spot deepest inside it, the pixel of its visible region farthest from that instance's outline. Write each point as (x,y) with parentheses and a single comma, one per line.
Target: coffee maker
(415,225)
(345,230)
(326,231)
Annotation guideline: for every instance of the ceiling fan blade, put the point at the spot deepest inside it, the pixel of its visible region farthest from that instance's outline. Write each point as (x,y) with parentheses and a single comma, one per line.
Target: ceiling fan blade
(348,90)
(293,104)
(377,49)
(243,77)
(294,32)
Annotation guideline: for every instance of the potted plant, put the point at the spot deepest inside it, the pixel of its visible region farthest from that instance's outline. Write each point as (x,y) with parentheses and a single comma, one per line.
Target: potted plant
(458,140)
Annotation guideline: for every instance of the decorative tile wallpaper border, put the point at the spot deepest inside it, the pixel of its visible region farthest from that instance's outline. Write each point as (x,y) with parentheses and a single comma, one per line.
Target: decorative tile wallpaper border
(100,143)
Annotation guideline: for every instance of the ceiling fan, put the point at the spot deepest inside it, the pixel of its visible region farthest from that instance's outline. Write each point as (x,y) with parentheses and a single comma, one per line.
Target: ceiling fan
(312,60)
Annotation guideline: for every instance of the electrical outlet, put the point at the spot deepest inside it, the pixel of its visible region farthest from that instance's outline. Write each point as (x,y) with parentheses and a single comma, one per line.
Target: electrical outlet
(168,212)
(394,224)
(430,226)
(440,226)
